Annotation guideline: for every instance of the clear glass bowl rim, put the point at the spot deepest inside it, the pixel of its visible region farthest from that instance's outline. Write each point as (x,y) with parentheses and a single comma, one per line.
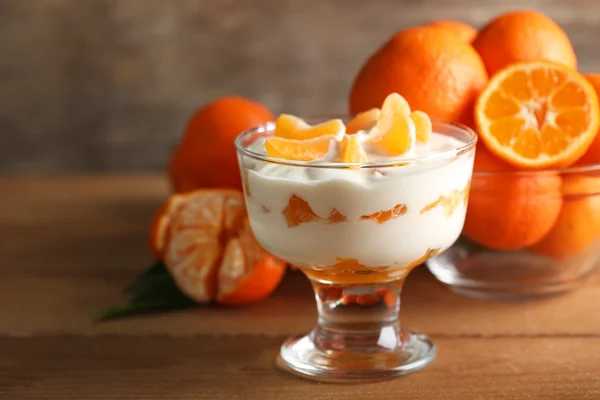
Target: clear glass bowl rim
(269,126)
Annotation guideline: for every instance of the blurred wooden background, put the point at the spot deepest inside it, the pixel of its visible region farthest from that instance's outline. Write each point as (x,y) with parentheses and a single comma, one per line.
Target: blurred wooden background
(107,85)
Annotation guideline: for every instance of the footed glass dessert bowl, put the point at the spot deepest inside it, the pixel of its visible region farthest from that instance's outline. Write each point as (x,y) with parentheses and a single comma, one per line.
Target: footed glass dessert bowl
(356,220)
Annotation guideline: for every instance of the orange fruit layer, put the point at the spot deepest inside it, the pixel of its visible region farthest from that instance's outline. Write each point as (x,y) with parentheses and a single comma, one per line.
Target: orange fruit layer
(353,151)
(208,143)
(464,32)
(291,127)
(578,224)
(523,36)
(298,211)
(300,150)
(450,202)
(210,251)
(383,216)
(592,155)
(538,115)
(436,73)
(510,211)
(363,121)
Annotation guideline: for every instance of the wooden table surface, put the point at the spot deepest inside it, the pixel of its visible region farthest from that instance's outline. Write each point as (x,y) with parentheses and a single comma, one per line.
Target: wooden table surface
(70,244)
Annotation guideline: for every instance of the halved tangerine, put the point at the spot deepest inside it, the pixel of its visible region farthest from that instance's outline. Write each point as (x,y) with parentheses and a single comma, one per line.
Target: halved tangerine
(211,252)
(538,115)
(291,127)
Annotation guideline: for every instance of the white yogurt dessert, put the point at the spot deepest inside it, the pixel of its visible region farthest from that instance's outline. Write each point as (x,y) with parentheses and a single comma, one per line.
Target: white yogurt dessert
(389,212)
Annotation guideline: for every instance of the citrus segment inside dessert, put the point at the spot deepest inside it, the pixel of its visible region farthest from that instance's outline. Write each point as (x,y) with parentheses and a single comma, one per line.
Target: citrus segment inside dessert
(382,216)
(291,127)
(363,121)
(300,150)
(298,211)
(538,114)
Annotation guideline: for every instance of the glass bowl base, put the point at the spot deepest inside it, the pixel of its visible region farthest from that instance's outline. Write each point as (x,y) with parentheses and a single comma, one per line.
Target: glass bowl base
(476,272)
(303,357)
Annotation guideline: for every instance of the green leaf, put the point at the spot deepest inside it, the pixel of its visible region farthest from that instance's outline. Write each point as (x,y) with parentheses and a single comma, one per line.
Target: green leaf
(153,290)
(157,268)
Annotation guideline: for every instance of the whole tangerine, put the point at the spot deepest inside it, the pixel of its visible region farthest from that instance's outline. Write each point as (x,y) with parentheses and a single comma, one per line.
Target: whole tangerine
(523,36)
(206,156)
(464,31)
(509,209)
(578,224)
(435,72)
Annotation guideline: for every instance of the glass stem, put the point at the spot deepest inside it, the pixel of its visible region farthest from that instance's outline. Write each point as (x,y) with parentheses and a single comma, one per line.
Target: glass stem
(358,317)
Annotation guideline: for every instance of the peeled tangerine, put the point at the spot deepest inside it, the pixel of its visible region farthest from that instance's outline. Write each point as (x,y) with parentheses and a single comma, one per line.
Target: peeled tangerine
(208,247)
(291,127)
(299,150)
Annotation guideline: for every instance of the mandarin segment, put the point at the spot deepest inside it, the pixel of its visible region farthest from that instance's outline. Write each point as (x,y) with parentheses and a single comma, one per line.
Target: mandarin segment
(353,151)
(291,127)
(396,131)
(298,211)
(423,126)
(383,216)
(363,121)
(299,150)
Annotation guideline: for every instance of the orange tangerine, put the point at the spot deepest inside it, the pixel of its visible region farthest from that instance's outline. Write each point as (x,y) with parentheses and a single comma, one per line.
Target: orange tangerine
(210,251)
(537,115)
(424,127)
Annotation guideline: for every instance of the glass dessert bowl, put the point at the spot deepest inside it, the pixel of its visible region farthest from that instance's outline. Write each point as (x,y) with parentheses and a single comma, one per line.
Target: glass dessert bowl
(356,229)
(528,234)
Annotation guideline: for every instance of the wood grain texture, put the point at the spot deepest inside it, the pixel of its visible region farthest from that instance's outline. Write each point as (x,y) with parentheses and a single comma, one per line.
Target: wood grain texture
(100,85)
(85,239)
(206,367)
(70,244)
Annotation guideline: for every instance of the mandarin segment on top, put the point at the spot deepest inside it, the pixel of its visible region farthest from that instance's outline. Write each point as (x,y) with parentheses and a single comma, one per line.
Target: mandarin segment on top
(396,131)
(538,115)
(300,150)
(423,125)
(291,127)
(353,151)
(363,121)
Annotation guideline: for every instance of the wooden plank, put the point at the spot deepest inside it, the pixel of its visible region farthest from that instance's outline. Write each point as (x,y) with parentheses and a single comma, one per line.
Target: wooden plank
(207,367)
(70,245)
(102,85)
(62,302)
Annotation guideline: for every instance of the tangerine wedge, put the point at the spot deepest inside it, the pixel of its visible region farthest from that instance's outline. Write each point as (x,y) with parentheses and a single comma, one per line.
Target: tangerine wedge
(423,125)
(353,151)
(363,121)
(300,150)
(538,115)
(291,127)
(396,130)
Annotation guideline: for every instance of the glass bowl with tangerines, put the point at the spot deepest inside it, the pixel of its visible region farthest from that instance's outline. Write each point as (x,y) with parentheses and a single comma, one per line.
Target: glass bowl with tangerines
(533,220)
(356,203)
